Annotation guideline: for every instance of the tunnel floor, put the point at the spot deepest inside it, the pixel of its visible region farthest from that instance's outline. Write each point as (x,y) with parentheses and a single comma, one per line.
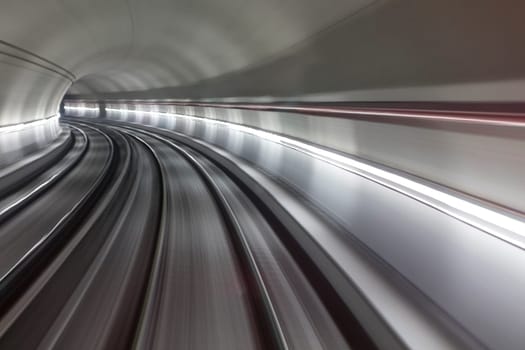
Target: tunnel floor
(124,238)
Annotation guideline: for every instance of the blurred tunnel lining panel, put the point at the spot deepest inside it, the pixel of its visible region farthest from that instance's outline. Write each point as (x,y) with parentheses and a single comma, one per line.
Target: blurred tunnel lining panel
(421,243)
(477,159)
(387,51)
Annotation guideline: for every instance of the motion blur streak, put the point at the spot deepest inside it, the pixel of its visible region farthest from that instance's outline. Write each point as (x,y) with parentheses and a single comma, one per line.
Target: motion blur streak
(496,223)
(26,125)
(458,116)
(262,175)
(69,108)
(199,235)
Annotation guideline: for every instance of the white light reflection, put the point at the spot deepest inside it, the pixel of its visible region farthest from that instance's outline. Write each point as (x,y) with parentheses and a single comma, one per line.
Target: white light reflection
(496,223)
(82,109)
(32,124)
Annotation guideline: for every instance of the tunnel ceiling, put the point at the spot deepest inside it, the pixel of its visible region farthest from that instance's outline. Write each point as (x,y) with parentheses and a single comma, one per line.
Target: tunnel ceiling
(374,49)
(232,48)
(155,44)
(124,45)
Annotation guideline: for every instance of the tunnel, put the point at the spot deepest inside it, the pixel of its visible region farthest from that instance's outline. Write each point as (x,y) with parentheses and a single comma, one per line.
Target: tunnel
(262,174)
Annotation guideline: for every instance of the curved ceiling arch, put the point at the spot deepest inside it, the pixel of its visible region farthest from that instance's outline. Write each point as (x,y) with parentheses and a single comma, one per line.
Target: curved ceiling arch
(374,49)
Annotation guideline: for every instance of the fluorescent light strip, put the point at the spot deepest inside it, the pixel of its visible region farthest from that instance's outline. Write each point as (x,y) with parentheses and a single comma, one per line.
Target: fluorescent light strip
(32,124)
(470,117)
(462,209)
(82,109)
(393,114)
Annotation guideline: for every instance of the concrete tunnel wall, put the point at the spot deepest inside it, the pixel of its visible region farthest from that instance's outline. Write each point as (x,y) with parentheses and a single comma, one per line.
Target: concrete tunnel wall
(370,212)
(301,50)
(482,161)
(361,50)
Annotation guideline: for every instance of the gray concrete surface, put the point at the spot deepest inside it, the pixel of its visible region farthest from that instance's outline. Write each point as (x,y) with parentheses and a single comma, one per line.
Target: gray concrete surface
(359,49)
(480,160)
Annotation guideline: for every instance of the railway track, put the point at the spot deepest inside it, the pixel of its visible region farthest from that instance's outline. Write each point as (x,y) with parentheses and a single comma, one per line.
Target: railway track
(130,239)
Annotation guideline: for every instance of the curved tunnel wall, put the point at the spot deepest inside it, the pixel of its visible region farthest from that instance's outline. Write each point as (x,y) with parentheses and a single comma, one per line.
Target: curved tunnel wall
(360,50)
(136,45)
(474,157)
(368,210)
(22,139)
